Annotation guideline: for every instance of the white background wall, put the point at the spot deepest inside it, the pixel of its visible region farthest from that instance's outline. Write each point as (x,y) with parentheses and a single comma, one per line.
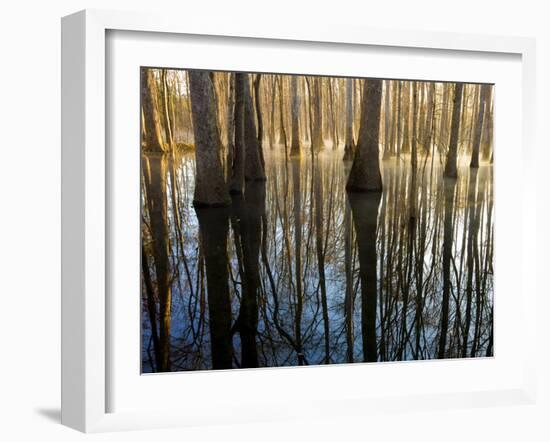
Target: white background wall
(30,215)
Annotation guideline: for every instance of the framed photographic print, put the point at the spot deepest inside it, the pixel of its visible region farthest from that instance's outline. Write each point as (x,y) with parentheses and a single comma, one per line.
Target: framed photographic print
(269,210)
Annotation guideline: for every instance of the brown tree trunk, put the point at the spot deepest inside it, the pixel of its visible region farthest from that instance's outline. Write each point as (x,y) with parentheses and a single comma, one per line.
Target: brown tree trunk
(236,185)
(474,163)
(257,102)
(210,187)
(365,171)
(152,129)
(450,167)
(348,145)
(295,143)
(254,163)
(167,118)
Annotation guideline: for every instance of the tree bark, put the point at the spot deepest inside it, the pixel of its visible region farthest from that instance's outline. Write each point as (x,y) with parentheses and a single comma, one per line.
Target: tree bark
(348,146)
(254,163)
(236,185)
(295,143)
(474,163)
(451,167)
(152,130)
(210,187)
(365,171)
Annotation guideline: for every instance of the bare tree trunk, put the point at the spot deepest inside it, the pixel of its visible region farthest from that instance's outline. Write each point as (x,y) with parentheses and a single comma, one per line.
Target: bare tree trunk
(414,160)
(405,141)
(236,185)
(450,167)
(152,129)
(365,171)
(348,145)
(254,162)
(399,137)
(210,187)
(167,119)
(387,119)
(258,106)
(281,116)
(295,143)
(230,119)
(474,163)
(317,143)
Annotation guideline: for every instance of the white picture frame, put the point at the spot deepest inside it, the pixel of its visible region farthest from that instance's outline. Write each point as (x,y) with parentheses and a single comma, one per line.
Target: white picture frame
(85,307)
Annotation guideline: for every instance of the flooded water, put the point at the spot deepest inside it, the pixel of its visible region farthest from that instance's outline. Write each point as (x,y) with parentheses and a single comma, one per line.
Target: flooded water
(316,275)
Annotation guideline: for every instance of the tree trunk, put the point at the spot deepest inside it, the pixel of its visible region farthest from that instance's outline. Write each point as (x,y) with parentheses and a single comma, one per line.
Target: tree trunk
(295,143)
(348,146)
(257,82)
(365,171)
(450,167)
(318,139)
(167,119)
(152,129)
(236,185)
(210,187)
(254,163)
(414,160)
(474,163)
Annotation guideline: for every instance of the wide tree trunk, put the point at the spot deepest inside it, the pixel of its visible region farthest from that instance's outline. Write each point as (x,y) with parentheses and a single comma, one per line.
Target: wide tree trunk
(365,171)
(254,163)
(210,186)
(152,128)
(450,167)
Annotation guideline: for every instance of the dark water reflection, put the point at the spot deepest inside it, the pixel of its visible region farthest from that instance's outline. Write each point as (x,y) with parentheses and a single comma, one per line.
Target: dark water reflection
(298,272)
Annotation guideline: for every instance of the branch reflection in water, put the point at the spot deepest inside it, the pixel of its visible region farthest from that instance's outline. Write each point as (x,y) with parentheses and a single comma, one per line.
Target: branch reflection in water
(297,271)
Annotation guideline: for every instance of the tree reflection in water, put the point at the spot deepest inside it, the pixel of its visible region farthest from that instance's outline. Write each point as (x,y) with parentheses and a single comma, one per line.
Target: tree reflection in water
(298,271)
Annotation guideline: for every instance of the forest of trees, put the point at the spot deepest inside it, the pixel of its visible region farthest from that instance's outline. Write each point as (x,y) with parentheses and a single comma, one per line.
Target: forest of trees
(296,220)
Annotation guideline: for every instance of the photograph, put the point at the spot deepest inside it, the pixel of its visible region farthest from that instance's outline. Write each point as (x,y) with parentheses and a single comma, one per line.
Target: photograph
(301,220)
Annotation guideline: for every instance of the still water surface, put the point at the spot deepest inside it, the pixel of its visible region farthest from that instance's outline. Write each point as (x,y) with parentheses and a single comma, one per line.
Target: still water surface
(315,275)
